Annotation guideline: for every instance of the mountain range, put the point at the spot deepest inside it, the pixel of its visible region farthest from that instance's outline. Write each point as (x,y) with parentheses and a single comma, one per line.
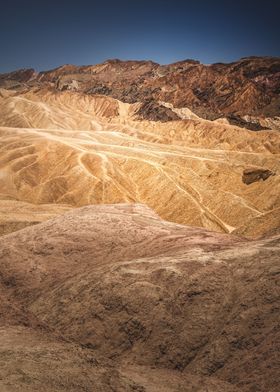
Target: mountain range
(245,91)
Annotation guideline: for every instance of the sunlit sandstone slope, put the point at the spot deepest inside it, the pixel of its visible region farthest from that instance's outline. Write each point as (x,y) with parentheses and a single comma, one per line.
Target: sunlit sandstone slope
(74,149)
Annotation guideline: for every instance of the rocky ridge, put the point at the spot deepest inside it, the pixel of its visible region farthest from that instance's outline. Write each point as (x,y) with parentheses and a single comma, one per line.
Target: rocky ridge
(248,87)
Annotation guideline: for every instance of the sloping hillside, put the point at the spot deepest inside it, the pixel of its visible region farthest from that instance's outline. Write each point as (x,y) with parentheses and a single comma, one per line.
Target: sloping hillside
(113,297)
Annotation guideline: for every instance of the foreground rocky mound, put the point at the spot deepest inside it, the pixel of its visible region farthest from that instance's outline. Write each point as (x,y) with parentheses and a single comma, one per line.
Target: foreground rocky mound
(111,297)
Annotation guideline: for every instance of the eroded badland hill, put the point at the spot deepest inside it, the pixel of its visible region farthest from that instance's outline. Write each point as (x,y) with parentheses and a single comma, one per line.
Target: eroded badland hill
(139,223)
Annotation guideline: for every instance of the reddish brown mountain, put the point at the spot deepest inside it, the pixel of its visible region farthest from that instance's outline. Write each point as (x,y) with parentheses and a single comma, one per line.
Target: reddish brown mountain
(248,87)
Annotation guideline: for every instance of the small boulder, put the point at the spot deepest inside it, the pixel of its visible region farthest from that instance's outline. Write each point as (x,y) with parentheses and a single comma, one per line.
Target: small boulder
(254,174)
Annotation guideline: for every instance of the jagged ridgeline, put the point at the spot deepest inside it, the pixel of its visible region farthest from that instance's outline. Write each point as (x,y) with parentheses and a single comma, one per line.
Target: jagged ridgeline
(244,92)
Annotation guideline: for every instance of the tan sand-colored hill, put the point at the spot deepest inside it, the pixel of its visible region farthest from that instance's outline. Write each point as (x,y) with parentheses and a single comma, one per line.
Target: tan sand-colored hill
(113,298)
(74,149)
(15,215)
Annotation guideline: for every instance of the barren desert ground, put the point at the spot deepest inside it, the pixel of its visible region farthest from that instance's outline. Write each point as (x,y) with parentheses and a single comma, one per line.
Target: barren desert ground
(139,240)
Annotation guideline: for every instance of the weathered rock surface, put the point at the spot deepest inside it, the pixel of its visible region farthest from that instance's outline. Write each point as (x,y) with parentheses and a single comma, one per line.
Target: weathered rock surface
(150,110)
(113,297)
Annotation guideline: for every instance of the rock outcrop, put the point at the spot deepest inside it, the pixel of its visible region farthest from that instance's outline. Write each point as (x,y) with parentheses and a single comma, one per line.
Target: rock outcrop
(254,174)
(151,110)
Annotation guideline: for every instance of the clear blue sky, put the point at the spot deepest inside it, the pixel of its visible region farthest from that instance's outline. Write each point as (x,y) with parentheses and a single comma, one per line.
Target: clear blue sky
(46,34)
